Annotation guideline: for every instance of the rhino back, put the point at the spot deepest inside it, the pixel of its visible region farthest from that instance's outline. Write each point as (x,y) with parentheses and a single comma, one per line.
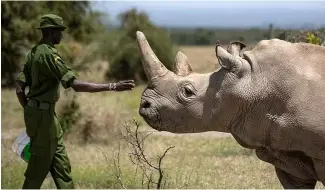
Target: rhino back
(306,59)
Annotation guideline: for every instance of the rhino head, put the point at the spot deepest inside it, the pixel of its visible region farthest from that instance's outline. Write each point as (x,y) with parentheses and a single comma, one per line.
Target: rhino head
(183,101)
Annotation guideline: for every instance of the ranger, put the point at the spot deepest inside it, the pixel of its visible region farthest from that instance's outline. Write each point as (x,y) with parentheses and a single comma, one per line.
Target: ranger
(43,71)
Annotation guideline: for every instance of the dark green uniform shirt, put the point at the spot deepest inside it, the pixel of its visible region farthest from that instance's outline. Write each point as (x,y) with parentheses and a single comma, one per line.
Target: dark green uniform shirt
(43,72)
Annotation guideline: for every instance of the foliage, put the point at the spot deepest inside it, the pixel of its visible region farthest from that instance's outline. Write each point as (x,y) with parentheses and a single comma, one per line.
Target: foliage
(70,114)
(203,36)
(208,36)
(20,19)
(81,21)
(79,55)
(307,36)
(311,38)
(69,50)
(17,24)
(124,58)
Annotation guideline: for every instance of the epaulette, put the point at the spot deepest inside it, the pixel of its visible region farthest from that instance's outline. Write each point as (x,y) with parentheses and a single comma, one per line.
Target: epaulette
(54,50)
(43,48)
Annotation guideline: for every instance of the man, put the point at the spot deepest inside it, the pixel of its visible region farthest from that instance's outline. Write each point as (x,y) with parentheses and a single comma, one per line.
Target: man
(43,72)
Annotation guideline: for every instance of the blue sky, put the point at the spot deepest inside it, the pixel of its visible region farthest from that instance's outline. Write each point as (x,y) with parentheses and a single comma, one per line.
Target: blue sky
(223,13)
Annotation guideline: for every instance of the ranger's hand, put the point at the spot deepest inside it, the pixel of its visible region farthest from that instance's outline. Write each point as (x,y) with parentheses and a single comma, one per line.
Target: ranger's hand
(124,85)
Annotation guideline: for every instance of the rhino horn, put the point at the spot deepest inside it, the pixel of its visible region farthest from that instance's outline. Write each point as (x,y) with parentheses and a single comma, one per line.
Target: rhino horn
(227,60)
(235,48)
(152,66)
(182,68)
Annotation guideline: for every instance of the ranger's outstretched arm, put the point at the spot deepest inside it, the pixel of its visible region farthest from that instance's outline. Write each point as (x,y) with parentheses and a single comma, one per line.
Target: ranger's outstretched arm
(82,86)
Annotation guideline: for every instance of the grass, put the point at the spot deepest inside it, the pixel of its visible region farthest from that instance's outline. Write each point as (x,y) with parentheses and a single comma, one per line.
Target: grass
(202,59)
(197,161)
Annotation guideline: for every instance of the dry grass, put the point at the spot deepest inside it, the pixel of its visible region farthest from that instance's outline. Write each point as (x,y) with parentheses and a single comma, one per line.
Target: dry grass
(197,161)
(202,59)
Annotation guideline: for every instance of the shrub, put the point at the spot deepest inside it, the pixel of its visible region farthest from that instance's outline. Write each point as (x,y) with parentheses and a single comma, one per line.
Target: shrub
(312,36)
(19,33)
(69,114)
(312,39)
(124,57)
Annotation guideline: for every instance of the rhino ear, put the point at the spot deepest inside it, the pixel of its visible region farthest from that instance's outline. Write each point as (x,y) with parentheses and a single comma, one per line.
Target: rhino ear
(227,60)
(182,68)
(236,47)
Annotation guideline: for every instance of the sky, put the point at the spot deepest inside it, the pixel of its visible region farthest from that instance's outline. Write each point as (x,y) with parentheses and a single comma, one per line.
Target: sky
(219,13)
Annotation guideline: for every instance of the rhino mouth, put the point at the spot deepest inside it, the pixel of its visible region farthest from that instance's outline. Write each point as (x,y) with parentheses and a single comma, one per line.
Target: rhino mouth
(152,118)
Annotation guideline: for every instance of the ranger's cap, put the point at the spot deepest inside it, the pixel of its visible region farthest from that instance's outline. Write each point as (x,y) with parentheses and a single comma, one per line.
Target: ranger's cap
(51,21)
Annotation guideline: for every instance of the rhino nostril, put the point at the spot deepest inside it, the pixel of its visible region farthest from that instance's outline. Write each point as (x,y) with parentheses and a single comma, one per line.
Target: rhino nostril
(146,104)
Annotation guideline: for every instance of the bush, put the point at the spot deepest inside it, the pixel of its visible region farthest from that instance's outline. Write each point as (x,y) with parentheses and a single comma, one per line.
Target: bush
(312,36)
(124,57)
(69,114)
(312,39)
(19,33)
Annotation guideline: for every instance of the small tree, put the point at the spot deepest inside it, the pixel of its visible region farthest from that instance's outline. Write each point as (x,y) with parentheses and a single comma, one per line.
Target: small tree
(124,59)
(70,112)
(312,39)
(19,20)
(18,23)
(153,174)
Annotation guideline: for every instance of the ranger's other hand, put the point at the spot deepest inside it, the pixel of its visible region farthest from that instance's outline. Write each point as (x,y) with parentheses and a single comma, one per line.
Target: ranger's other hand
(124,85)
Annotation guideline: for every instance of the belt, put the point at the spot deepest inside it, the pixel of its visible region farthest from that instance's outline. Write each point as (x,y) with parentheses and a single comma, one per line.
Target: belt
(39,105)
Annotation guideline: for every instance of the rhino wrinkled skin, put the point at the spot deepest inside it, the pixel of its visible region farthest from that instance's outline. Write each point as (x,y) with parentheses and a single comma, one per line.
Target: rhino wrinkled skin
(270,99)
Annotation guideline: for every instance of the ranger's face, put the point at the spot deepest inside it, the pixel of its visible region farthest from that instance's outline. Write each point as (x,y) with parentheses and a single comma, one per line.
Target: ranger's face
(56,36)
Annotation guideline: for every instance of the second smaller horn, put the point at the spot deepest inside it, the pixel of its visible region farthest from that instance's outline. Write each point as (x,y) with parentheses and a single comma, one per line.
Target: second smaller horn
(182,68)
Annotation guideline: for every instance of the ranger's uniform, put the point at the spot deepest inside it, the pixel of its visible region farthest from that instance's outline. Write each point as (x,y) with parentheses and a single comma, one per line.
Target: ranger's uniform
(43,72)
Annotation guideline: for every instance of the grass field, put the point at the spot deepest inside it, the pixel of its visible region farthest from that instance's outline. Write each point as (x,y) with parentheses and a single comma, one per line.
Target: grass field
(206,160)
(202,58)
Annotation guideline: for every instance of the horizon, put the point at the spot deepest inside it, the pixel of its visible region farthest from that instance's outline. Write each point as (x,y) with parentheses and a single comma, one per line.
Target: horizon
(214,14)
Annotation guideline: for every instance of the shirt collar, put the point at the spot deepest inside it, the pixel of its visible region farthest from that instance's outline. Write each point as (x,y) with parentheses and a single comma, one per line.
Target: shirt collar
(45,41)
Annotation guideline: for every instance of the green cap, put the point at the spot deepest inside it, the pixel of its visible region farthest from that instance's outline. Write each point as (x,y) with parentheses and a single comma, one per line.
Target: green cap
(51,21)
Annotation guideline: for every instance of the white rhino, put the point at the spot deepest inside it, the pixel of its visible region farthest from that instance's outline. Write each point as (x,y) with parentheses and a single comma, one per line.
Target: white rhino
(270,99)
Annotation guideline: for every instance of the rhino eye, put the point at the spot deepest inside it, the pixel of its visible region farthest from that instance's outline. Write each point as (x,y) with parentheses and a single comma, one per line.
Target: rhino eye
(188,92)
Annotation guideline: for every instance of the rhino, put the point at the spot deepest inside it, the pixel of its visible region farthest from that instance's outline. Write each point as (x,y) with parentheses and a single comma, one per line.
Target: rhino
(270,99)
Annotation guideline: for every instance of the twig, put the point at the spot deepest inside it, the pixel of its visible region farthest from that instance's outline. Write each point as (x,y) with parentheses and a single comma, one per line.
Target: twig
(136,141)
(159,166)
(118,172)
